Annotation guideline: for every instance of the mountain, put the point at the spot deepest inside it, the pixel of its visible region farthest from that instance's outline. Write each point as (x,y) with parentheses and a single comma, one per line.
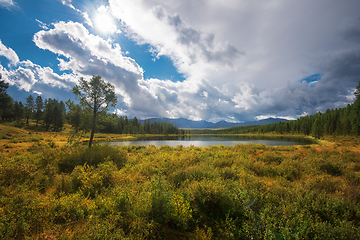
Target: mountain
(186,123)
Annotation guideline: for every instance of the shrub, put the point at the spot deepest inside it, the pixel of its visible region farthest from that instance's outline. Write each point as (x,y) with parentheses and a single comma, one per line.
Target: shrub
(3,136)
(87,180)
(72,208)
(271,157)
(16,170)
(92,157)
(331,169)
(213,202)
(34,139)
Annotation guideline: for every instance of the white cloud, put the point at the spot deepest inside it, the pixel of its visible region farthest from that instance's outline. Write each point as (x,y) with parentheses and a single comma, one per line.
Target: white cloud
(87,55)
(64,2)
(85,15)
(242,60)
(282,42)
(26,74)
(9,54)
(24,78)
(104,21)
(42,25)
(7,3)
(75,42)
(192,51)
(87,19)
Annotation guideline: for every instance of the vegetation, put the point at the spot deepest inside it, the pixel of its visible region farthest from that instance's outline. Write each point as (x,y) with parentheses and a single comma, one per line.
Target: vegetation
(51,114)
(342,121)
(54,187)
(137,192)
(6,101)
(97,95)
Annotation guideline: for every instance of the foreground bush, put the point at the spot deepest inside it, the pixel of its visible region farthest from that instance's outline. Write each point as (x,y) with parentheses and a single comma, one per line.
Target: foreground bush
(241,192)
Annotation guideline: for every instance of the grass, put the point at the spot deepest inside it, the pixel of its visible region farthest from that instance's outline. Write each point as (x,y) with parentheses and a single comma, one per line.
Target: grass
(54,190)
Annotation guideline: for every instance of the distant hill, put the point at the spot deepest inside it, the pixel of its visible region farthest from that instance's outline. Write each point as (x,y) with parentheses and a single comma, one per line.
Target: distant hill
(186,123)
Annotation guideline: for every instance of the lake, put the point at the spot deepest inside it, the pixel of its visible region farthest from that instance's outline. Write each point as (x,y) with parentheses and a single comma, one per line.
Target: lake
(209,140)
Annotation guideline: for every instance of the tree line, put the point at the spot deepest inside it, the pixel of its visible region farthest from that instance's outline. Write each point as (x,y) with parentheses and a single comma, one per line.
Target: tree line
(340,121)
(80,119)
(53,114)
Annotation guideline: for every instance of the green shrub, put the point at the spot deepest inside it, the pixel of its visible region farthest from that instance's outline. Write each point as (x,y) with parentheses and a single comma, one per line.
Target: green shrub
(87,180)
(3,136)
(92,156)
(34,139)
(72,208)
(331,169)
(16,170)
(271,157)
(193,173)
(213,202)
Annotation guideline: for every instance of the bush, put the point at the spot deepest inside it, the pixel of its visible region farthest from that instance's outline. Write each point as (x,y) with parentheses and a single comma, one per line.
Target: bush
(92,157)
(331,169)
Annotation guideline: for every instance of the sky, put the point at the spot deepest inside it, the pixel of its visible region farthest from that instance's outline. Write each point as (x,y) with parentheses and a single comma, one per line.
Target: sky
(213,60)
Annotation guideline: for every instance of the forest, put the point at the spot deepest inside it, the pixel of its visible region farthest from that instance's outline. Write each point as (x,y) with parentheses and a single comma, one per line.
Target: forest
(53,114)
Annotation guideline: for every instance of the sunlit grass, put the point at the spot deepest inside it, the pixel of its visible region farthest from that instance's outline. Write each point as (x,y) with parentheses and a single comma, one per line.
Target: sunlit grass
(53,189)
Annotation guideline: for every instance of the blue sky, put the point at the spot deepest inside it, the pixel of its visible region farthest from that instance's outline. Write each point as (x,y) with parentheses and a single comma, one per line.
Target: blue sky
(202,60)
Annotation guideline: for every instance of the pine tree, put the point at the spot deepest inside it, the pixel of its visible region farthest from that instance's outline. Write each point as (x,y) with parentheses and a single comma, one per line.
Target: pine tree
(74,115)
(18,111)
(6,102)
(97,95)
(29,108)
(39,105)
(48,113)
(355,113)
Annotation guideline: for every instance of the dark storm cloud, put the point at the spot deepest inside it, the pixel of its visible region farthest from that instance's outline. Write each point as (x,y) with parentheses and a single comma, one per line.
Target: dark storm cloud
(352,34)
(341,78)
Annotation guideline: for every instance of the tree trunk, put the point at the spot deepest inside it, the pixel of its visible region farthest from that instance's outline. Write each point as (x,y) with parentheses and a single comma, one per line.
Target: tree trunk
(92,129)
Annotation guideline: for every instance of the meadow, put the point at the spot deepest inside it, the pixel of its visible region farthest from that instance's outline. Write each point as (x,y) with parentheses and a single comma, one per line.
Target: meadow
(54,187)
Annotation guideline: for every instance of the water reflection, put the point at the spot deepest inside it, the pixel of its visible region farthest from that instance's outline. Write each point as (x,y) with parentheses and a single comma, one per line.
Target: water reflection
(209,140)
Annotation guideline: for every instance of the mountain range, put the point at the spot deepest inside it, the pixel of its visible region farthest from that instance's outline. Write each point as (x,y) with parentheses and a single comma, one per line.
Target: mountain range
(186,123)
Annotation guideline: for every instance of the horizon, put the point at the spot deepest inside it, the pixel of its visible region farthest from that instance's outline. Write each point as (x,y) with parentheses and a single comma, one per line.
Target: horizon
(215,61)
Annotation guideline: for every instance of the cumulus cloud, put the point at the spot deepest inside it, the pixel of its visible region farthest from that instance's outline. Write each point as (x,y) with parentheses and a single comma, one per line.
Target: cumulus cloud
(191,50)
(74,41)
(25,74)
(28,74)
(85,54)
(9,54)
(241,60)
(246,60)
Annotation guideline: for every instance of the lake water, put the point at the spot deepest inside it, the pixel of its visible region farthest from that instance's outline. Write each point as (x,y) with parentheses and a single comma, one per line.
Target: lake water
(209,140)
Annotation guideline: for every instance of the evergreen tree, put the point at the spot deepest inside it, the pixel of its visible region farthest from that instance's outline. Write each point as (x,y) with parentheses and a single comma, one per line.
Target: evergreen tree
(48,113)
(6,102)
(97,95)
(317,129)
(18,110)
(29,108)
(53,115)
(74,114)
(39,106)
(355,113)
(58,116)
